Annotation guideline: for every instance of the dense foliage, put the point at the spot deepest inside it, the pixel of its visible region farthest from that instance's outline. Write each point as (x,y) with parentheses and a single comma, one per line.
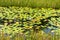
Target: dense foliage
(23,19)
(30,3)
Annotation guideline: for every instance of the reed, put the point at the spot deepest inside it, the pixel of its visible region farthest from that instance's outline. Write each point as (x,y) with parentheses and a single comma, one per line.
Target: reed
(33,36)
(30,3)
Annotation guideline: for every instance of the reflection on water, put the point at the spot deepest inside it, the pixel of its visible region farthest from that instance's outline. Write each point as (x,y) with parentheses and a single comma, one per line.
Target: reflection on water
(50,30)
(47,30)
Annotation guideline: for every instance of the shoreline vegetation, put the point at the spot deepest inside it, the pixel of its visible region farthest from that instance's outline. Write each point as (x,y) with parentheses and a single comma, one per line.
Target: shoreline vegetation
(30,3)
(33,36)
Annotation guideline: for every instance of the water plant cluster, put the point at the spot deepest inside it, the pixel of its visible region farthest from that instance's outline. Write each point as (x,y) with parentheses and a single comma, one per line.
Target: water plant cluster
(24,19)
(28,21)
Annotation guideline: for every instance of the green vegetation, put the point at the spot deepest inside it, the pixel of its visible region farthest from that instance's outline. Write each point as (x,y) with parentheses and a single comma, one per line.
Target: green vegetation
(30,3)
(33,36)
(29,19)
(24,20)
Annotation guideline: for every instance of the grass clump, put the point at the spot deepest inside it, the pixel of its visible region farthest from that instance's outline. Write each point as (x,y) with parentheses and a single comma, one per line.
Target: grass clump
(30,3)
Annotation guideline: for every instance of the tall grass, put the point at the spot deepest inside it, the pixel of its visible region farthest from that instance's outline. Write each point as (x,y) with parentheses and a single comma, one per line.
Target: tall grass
(31,3)
(33,36)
